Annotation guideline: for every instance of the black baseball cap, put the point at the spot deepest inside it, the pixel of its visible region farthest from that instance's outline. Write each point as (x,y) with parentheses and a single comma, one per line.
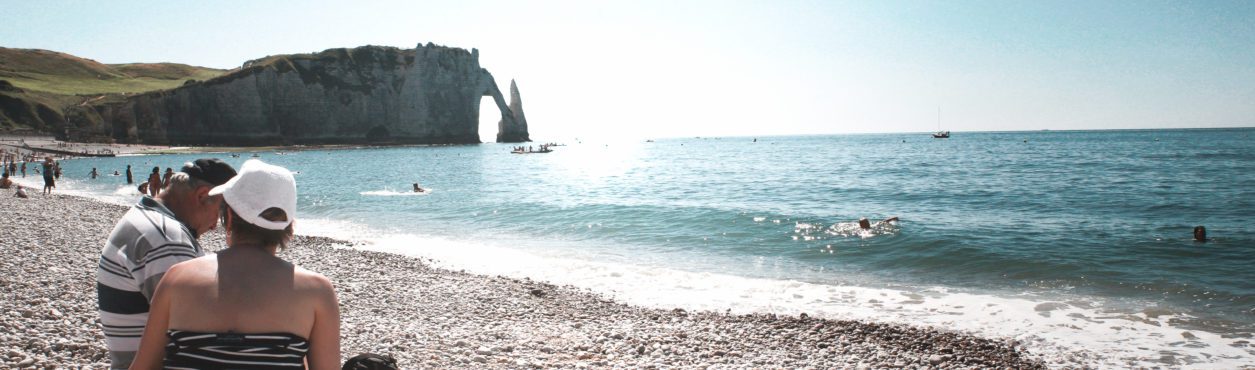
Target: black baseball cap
(211,170)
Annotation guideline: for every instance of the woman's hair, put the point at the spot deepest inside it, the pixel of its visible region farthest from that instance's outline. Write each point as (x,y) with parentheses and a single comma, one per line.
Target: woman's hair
(156,169)
(241,229)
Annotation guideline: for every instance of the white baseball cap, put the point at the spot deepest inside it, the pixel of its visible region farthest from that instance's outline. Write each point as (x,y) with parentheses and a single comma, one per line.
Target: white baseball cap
(258,187)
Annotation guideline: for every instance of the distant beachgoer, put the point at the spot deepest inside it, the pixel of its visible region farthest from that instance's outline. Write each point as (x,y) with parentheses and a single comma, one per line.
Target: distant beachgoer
(154,181)
(128,274)
(5,182)
(21,192)
(245,293)
(56,168)
(115,173)
(49,181)
(1200,234)
(165,179)
(129,178)
(864,224)
(13,167)
(94,173)
(418,189)
(23,168)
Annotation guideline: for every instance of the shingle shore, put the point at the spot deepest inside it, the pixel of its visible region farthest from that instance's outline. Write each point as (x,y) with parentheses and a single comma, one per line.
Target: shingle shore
(434,318)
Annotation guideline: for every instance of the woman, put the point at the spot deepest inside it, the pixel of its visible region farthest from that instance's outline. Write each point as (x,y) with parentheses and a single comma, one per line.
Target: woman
(154,182)
(165,179)
(244,305)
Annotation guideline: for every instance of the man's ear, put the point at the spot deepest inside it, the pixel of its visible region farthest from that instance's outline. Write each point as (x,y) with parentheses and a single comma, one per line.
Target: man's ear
(202,195)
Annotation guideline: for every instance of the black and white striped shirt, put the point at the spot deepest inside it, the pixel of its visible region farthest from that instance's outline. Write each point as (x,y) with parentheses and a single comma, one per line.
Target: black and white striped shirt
(143,245)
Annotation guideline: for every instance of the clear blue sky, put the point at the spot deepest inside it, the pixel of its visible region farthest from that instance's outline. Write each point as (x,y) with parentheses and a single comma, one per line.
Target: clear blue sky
(685,68)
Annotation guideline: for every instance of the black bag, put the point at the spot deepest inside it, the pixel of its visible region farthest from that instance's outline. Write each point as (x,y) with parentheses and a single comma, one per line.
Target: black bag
(370,361)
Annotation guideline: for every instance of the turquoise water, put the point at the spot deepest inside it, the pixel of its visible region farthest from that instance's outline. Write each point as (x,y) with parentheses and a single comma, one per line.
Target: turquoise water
(1085,230)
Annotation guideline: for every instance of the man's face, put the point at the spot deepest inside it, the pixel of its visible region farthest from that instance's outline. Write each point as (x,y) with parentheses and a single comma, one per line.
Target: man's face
(206,215)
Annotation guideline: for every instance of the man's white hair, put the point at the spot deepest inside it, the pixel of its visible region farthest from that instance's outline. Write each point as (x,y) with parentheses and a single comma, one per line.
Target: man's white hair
(182,182)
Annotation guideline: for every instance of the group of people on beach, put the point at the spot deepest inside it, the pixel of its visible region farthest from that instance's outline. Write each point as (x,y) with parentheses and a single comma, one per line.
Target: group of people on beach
(165,303)
(51,172)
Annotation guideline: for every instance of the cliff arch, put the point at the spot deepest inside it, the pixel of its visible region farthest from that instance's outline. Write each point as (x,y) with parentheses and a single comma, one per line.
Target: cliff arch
(512,128)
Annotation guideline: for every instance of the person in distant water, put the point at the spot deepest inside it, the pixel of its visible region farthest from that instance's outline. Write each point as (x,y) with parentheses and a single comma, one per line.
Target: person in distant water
(23,168)
(49,181)
(129,179)
(56,169)
(154,182)
(418,189)
(94,173)
(864,224)
(165,179)
(5,183)
(1200,234)
(115,173)
(21,193)
(153,235)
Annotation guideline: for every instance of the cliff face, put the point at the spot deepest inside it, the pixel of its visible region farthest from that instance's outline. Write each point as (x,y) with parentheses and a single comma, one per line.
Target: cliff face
(430,94)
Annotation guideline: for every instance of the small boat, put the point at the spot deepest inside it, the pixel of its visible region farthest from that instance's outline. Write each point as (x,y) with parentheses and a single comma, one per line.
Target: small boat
(940,134)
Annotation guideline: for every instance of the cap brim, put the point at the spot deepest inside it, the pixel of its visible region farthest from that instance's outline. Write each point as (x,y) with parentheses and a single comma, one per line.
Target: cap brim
(218,190)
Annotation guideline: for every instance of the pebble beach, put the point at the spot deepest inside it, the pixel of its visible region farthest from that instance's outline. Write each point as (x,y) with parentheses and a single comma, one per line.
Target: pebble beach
(430,318)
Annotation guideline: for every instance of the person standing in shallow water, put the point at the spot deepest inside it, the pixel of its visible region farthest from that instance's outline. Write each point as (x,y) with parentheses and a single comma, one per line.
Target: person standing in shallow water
(165,179)
(129,178)
(154,182)
(49,181)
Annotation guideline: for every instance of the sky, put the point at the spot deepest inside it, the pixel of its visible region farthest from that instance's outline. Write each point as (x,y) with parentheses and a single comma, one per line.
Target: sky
(653,69)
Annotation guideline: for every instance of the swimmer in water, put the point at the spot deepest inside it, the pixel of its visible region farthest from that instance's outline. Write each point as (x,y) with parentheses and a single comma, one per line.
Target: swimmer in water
(1200,234)
(418,189)
(866,225)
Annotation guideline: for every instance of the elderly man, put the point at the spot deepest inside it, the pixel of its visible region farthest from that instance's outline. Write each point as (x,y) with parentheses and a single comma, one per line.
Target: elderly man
(155,234)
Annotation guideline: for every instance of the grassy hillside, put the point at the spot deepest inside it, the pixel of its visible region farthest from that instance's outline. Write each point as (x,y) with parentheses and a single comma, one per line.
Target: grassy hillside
(60,73)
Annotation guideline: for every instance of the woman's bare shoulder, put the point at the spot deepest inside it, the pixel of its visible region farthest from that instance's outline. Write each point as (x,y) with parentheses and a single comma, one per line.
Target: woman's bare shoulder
(207,263)
(313,281)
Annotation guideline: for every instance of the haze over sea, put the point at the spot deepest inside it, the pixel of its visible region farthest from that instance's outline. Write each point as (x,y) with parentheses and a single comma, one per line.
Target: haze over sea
(1077,243)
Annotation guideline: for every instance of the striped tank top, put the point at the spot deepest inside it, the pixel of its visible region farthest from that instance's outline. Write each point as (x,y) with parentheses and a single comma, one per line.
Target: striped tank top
(193,350)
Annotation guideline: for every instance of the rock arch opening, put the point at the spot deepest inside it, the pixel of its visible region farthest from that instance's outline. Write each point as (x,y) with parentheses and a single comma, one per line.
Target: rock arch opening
(489,116)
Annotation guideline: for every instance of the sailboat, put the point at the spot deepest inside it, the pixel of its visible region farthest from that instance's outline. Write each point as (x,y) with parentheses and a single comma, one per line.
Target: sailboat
(940,134)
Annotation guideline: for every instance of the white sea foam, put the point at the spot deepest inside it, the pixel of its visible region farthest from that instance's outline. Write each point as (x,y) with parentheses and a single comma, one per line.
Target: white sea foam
(1065,333)
(391,193)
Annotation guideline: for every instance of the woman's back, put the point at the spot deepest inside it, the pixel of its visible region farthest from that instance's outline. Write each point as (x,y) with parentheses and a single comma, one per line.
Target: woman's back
(245,290)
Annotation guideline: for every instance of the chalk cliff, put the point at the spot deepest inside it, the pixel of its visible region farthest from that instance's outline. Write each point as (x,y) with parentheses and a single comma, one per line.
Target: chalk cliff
(370,94)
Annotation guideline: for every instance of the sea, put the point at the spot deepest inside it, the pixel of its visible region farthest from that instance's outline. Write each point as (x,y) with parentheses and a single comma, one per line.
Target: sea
(1077,244)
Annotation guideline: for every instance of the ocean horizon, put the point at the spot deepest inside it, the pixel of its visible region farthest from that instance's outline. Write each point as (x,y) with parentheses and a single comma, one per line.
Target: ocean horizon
(1075,243)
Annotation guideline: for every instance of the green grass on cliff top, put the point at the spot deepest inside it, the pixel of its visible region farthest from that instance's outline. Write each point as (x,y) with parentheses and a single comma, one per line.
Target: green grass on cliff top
(59,73)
